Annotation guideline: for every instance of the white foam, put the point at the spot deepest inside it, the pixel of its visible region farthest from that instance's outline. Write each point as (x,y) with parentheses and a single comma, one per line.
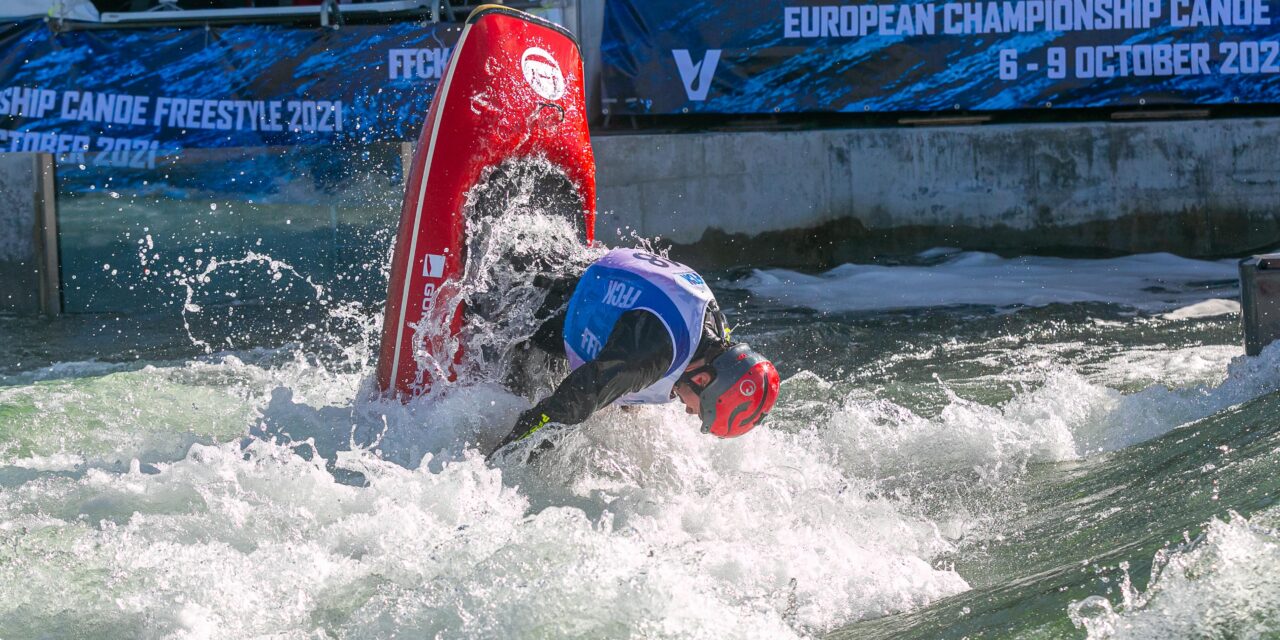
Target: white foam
(880,439)
(1207,309)
(152,413)
(64,370)
(1157,409)
(1224,585)
(634,525)
(1058,414)
(54,462)
(1151,282)
(1139,367)
(648,526)
(634,522)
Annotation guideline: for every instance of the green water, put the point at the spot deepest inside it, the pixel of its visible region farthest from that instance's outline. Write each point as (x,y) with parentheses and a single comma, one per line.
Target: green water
(968,471)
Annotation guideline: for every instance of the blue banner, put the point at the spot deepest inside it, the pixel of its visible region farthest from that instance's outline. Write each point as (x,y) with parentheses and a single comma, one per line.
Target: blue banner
(127,93)
(763,56)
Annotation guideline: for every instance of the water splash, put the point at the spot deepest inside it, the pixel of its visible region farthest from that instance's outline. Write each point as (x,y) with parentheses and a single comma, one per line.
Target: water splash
(610,533)
(523,231)
(192,282)
(1222,584)
(133,506)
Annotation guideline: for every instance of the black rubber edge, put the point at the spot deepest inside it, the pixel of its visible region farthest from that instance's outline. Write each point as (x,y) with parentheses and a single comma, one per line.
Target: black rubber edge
(486,9)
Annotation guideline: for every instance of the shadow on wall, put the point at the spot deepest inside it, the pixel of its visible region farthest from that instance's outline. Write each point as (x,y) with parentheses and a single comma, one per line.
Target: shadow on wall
(1198,234)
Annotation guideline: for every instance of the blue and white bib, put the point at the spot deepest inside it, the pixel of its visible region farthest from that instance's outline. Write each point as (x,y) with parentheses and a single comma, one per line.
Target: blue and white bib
(626,279)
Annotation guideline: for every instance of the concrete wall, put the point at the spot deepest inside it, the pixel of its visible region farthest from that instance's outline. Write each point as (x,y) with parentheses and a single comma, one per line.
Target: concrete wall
(28,254)
(815,198)
(17,211)
(587,23)
(803,198)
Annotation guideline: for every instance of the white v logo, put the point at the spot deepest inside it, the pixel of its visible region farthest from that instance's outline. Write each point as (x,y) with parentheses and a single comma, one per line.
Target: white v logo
(700,72)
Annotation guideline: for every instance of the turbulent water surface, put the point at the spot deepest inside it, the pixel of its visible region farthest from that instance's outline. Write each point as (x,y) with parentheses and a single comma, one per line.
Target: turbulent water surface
(965,445)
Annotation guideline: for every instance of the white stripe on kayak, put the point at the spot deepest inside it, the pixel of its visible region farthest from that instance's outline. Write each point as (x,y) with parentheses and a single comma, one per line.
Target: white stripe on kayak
(422,194)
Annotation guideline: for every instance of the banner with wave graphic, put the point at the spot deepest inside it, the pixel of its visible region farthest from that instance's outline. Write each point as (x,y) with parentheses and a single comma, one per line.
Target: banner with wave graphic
(761,56)
(140,90)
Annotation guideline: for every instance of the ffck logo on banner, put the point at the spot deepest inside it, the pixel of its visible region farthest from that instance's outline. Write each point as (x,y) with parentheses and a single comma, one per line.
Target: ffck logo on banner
(700,73)
(542,72)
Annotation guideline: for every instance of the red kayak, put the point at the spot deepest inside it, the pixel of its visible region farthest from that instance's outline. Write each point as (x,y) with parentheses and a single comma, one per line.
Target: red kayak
(512,90)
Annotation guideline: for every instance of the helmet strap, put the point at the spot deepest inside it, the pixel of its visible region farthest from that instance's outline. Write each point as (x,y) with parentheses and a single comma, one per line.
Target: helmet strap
(687,378)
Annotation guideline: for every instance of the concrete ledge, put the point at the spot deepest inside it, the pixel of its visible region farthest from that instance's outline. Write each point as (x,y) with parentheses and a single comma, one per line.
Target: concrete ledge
(815,198)
(29,280)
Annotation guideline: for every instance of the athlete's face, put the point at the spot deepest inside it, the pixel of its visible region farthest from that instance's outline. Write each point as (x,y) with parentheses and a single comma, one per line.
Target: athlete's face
(692,403)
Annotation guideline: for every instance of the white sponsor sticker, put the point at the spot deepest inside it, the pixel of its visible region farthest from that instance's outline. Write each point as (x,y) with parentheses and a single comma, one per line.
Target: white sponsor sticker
(542,72)
(433,266)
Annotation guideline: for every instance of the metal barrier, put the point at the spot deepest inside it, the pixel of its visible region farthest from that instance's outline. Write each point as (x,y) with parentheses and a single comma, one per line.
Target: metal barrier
(1260,301)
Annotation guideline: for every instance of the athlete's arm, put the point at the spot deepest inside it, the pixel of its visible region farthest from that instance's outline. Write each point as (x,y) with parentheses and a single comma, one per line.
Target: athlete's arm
(636,355)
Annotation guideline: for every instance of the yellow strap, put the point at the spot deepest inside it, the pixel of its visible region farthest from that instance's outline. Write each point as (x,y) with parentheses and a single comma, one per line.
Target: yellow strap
(541,423)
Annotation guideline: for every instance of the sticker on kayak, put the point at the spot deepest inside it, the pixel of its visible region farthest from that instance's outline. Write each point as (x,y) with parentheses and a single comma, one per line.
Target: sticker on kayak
(433,266)
(542,72)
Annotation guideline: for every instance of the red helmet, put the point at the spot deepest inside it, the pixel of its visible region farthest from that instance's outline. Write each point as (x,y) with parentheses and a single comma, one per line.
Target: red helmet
(739,396)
